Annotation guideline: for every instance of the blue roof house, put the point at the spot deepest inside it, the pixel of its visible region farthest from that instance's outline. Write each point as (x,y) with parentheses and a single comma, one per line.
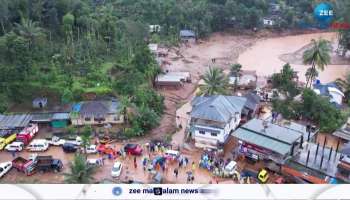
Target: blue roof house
(330,90)
(213,118)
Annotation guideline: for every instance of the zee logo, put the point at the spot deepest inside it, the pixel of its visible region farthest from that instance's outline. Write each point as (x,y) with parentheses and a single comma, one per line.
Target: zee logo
(117,191)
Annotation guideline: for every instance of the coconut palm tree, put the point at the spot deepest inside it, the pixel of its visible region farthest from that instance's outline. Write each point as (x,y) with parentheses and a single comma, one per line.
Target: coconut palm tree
(311,73)
(29,30)
(80,171)
(85,137)
(216,82)
(317,56)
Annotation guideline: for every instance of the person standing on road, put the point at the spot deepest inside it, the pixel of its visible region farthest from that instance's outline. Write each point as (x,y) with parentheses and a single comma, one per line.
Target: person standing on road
(186,161)
(144,163)
(176,172)
(13,153)
(193,166)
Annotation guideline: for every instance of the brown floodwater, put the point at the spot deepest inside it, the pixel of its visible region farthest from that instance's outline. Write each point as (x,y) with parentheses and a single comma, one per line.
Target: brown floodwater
(264,56)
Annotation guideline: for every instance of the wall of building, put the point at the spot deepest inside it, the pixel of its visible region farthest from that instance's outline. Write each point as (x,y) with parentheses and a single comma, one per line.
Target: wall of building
(208,140)
(109,119)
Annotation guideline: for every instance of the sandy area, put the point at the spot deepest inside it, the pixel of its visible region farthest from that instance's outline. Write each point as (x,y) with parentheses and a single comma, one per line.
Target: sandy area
(196,59)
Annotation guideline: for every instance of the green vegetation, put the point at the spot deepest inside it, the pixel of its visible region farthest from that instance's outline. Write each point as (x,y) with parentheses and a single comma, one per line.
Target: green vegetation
(284,81)
(80,171)
(312,107)
(216,82)
(235,69)
(86,137)
(317,56)
(344,84)
(64,49)
(343,8)
(307,106)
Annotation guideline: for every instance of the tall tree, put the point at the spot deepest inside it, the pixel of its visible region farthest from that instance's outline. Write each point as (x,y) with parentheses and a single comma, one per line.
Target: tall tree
(86,136)
(29,30)
(284,81)
(80,171)
(216,82)
(311,73)
(317,56)
(344,84)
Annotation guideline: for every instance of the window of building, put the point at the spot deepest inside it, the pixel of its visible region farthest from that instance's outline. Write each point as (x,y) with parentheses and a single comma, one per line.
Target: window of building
(100,119)
(202,132)
(87,119)
(213,134)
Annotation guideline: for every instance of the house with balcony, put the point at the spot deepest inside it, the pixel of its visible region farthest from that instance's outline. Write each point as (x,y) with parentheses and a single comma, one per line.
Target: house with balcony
(213,118)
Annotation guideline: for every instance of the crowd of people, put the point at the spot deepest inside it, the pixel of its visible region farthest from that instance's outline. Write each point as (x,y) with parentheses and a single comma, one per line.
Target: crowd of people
(214,164)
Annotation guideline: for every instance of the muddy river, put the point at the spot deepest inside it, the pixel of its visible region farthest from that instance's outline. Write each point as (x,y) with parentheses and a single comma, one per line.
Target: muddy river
(264,56)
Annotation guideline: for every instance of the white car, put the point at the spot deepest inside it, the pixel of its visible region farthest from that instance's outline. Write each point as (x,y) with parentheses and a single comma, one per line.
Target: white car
(56,141)
(15,146)
(78,141)
(4,168)
(116,169)
(38,145)
(91,149)
(230,168)
(94,162)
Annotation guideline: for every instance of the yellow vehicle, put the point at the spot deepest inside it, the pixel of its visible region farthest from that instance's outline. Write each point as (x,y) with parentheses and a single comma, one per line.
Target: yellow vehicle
(263,176)
(7,139)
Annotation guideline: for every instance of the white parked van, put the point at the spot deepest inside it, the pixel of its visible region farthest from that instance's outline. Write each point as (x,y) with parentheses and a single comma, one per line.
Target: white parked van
(38,145)
(172,154)
(15,146)
(91,149)
(230,168)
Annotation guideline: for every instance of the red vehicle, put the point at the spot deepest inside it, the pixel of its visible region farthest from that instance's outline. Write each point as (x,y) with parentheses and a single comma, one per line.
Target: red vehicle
(133,149)
(24,165)
(106,149)
(27,134)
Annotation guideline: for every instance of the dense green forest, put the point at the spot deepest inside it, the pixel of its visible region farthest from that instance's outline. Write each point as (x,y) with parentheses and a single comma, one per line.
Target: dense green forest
(65,48)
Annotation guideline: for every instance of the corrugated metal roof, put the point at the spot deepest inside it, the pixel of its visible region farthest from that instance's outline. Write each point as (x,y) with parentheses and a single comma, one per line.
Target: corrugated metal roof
(60,116)
(168,78)
(187,33)
(217,108)
(262,141)
(277,132)
(15,121)
(342,134)
(41,117)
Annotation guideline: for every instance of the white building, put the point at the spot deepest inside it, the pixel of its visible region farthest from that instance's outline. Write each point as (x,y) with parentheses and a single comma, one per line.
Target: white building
(213,119)
(329,90)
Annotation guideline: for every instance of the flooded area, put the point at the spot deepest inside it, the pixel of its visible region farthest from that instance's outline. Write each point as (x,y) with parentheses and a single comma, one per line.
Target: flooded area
(264,56)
